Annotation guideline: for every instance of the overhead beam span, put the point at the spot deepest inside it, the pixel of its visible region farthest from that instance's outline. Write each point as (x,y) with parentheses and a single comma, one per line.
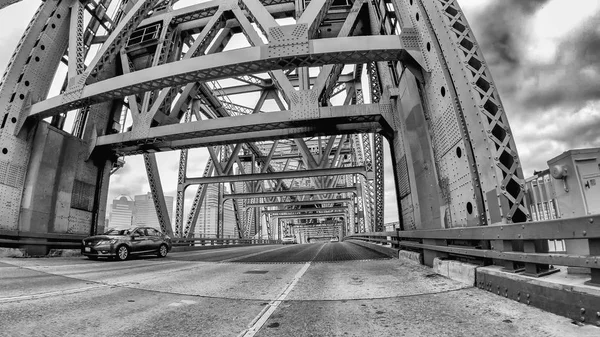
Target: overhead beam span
(245,128)
(277,175)
(303,210)
(298,203)
(270,194)
(349,50)
(312,216)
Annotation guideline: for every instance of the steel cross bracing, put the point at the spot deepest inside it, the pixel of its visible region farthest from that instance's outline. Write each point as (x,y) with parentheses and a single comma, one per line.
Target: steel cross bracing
(292,139)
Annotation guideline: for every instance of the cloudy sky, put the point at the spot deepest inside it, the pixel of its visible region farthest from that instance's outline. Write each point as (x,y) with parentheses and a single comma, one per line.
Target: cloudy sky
(545,60)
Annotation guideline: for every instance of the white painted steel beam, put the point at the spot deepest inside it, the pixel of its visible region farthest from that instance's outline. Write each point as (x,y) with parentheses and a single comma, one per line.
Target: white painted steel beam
(269,194)
(312,216)
(303,210)
(358,49)
(297,203)
(251,127)
(276,175)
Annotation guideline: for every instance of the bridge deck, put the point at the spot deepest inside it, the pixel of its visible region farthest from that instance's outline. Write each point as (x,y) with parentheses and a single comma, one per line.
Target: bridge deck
(224,292)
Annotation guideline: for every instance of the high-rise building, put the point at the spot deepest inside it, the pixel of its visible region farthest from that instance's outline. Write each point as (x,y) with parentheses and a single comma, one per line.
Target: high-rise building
(121,213)
(206,225)
(144,212)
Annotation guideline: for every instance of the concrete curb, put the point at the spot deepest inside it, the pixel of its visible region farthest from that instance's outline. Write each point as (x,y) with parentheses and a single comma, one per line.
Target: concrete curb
(456,270)
(391,252)
(410,256)
(13,252)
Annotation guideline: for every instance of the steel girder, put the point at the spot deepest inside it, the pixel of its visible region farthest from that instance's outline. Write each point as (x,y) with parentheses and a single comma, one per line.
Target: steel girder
(268,194)
(298,203)
(276,175)
(217,66)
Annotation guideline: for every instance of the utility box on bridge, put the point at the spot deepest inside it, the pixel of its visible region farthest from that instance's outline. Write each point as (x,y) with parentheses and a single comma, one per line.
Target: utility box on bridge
(576,184)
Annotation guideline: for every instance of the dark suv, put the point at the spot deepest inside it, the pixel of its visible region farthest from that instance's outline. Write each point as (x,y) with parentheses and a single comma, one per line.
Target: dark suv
(121,243)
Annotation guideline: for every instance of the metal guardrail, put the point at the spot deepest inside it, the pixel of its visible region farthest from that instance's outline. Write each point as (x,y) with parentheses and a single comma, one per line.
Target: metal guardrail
(221,242)
(19,239)
(519,247)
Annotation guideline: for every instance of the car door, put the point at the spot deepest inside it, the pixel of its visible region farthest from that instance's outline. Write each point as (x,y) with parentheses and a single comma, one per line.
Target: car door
(154,238)
(140,240)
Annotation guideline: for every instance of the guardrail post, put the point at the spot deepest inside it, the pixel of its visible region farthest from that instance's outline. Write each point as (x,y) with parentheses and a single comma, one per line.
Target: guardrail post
(429,255)
(536,269)
(508,246)
(595,268)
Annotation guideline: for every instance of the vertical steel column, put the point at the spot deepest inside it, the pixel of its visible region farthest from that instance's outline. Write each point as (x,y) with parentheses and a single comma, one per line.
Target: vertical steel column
(220,215)
(183,158)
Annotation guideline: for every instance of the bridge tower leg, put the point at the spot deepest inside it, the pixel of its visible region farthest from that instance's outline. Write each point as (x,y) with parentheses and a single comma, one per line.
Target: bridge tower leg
(49,184)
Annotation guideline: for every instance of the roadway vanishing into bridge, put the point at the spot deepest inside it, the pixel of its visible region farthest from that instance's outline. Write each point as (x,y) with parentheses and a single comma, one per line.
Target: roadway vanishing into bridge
(321,289)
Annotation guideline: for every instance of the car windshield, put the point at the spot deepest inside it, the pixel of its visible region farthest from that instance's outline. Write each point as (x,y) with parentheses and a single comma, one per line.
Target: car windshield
(119,231)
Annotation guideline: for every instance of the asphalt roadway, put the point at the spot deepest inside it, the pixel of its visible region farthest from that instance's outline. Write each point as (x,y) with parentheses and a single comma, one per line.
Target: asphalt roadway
(322,289)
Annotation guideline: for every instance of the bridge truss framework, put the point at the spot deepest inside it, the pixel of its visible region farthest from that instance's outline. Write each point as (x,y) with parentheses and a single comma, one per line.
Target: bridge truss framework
(292,99)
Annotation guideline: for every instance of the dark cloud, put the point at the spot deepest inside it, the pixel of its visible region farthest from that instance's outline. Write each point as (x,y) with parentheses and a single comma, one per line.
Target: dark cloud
(551,101)
(575,76)
(500,27)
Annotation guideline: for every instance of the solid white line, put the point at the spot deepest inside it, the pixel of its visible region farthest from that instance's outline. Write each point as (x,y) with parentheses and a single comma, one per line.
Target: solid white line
(264,315)
(51,294)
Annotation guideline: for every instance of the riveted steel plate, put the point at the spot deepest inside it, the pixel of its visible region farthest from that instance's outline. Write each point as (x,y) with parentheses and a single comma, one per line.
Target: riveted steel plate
(288,40)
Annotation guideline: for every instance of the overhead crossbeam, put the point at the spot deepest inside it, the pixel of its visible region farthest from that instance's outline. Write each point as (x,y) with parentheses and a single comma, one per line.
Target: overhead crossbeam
(276,175)
(245,128)
(360,49)
(303,210)
(298,203)
(312,216)
(270,194)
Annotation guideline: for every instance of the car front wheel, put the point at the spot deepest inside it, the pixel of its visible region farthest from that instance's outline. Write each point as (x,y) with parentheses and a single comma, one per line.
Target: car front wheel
(162,251)
(122,253)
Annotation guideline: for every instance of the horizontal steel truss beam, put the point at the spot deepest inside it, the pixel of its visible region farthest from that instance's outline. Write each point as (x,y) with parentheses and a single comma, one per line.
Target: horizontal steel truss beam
(207,9)
(312,216)
(252,60)
(277,175)
(246,88)
(270,194)
(331,120)
(295,203)
(303,210)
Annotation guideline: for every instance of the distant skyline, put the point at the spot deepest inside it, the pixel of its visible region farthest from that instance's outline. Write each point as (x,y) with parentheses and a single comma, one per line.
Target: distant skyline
(543,56)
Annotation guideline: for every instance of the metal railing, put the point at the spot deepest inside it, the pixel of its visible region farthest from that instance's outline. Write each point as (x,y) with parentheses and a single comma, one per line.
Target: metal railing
(199,242)
(18,239)
(519,247)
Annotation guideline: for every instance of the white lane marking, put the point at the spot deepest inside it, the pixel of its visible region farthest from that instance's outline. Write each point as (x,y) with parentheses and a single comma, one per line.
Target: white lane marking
(51,294)
(182,302)
(253,254)
(268,310)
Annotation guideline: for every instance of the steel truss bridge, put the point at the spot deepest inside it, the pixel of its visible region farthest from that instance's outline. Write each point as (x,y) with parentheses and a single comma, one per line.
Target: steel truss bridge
(292,100)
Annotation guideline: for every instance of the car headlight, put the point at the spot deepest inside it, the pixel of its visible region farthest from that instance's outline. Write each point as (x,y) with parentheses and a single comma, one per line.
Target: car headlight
(106,242)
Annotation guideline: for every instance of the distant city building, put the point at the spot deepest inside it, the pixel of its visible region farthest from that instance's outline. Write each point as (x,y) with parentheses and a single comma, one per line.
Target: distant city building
(206,225)
(144,211)
(121,213)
